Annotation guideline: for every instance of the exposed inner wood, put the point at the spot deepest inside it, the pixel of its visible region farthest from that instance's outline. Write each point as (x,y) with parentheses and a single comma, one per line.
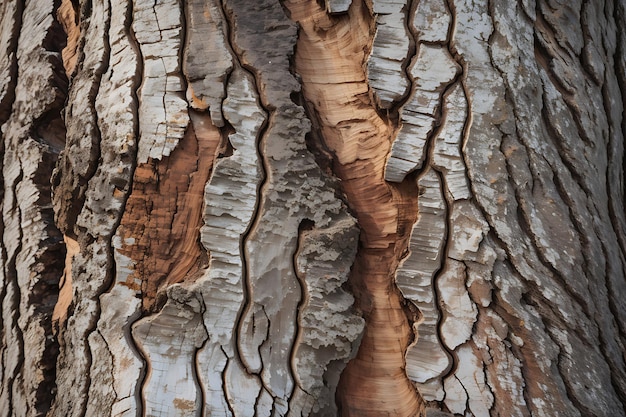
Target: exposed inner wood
(330,57)
(65,285)
(68,18)
(163,215)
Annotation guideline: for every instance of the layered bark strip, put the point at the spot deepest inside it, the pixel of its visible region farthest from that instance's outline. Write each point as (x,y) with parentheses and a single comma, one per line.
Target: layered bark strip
(312,208)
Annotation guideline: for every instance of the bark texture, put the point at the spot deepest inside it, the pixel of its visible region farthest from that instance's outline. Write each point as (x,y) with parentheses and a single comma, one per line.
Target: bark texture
(309,208)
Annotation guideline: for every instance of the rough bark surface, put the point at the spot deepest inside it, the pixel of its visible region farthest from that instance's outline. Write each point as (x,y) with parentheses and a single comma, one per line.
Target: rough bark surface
(312,208)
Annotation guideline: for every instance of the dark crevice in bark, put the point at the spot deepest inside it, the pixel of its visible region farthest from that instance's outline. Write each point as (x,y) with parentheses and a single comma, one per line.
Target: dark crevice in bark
(445,250)
(584,58)
(395,115)
(586,244)
(485,365)
(525,222)
(260,140)
(43,296)
(552,321)
(68,191)
(202,389)
(177,179)
(48,131)
(560,143)
(467,395)
(544,37)
(448,202)
(110,271)
(304,226)
(461,78)
(11,282)
(563,152)
(571,395)
(615,163)
(545,57)
(615,178)
(146,369)
(224,384)
(546,306)
(163,213)
(584,240)
(534,299)
(111,266)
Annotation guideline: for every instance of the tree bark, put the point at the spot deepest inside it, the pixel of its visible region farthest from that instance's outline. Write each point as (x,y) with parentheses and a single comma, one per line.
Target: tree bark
(309,208)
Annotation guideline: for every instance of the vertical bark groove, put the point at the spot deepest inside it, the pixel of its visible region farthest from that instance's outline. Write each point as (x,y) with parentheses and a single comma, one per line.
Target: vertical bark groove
(383,240)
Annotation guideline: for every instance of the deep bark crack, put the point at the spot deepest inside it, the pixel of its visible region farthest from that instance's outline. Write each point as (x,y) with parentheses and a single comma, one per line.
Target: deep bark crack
(260,140)
(384,236)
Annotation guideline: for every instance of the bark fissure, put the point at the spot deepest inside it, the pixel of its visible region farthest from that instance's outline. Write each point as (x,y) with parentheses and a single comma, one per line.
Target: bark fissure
(261,186)
(125,185)
(448,200)
(571,395)
(70,178)
(559,141)
(539,249)
(7,94)
(445,251)
(202,389)
(546,37)
(11,273)
(304,225)
(381,246)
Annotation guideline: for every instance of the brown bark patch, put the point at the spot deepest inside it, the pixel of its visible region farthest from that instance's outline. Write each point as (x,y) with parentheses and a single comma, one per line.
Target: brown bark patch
(161,223)
(68,18)
(330,57)
(59,315)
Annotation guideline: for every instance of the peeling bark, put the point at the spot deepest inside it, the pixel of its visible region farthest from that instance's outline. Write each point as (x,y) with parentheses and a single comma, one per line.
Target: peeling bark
(312,208)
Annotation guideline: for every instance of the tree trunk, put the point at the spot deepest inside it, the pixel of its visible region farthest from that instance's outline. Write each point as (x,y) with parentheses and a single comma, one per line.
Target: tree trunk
(308,208)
